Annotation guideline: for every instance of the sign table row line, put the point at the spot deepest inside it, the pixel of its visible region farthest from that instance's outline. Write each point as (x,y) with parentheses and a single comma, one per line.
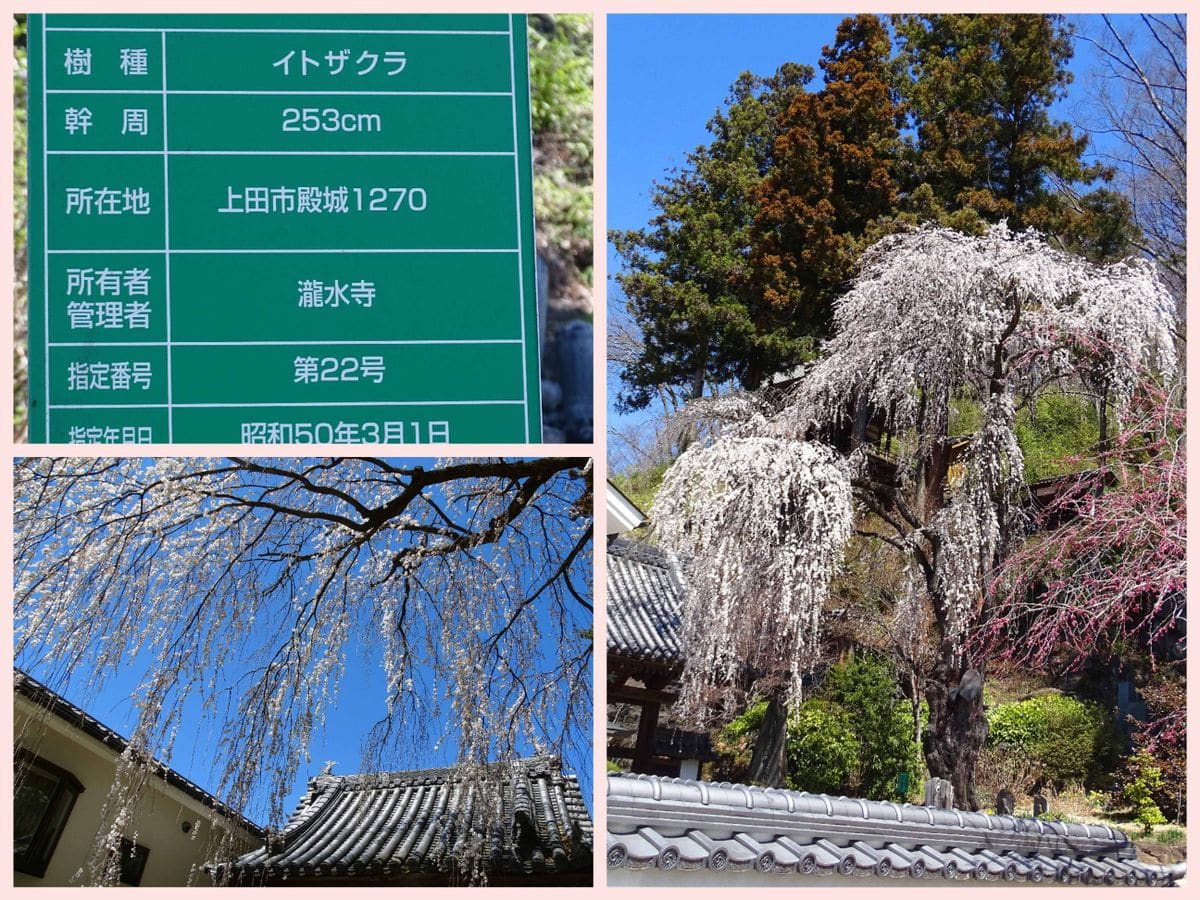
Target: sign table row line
(307,423)
(307,203)
(277,297)
(273,374)
(278,60)
(124,123)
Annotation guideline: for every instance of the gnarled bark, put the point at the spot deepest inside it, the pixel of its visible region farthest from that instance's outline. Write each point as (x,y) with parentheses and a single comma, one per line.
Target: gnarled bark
(768,763)
(956,732)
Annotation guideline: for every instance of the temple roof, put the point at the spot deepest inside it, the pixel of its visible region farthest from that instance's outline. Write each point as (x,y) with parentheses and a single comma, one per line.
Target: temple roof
(621,513)
(678,824)
(391,824)
(645,598)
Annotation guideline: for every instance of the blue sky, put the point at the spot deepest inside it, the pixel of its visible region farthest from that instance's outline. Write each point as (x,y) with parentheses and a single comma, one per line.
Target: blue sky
(667,74)
(361,703)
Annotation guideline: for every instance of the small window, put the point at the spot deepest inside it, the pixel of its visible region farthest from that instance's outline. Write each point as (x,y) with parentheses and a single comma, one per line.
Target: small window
(42,803)
(133,862)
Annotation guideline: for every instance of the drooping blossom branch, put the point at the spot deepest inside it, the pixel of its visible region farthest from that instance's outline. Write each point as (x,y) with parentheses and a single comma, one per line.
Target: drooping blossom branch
(763,524)
(241,586)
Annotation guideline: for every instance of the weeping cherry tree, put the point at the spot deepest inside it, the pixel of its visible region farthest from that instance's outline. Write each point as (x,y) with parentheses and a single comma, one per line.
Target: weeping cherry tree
(936,322)
(243,586)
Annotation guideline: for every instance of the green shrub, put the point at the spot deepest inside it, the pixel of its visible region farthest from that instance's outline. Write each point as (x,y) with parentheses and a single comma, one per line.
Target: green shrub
(1062,738)
(1054,815)
(1144,779)
(560,85)
(641,485)
(746,724)
(966,416)
(1099,801)
(853,736)
(1173,836)
(865,688)
(822,749)
(735,743)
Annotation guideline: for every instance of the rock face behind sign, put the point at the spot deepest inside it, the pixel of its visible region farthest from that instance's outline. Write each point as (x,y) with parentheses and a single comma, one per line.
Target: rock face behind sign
(575,377)
(567,347)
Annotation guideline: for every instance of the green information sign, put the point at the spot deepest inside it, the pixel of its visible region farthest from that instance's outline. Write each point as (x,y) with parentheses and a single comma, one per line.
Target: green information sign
(281,229)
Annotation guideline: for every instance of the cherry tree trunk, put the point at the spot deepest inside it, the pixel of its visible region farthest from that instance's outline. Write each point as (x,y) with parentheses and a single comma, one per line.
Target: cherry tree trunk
(956,732)
(768,762)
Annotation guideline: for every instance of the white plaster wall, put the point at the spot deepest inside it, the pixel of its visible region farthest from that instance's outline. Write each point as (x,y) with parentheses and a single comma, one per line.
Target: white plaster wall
(161,812)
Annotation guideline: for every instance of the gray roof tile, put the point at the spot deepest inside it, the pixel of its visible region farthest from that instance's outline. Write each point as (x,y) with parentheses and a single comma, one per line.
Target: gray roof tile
(393,823)
(645,600)
(673,823)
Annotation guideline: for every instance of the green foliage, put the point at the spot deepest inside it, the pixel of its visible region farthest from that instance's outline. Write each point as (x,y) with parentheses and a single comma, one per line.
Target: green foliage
(1058,435)
(865,689)
(1144,780)
(641,485)
(735,743)
(822,748)
(834,178)
(1099,800)
(966,416)
(560,85)
(1054,815)
(1102,227)
(1165,696)
(979,90)
(1062,739)
(560,76)
(746,724)
(853,736)
(681,274)
(735,276)
(1173,836)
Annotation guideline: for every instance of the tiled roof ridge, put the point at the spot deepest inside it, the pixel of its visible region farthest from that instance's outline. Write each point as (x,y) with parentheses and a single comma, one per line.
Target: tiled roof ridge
(324,788)
(646,591)
(675,822)
(36,692)
(544,763)
(321,791)
(754,797)
(379,825)
(643,552)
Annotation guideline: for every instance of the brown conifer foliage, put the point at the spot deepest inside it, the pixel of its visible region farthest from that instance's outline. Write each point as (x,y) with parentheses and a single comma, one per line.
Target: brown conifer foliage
(833,177)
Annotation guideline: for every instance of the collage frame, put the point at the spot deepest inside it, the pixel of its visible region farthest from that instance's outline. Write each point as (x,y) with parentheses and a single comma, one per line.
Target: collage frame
(667,829)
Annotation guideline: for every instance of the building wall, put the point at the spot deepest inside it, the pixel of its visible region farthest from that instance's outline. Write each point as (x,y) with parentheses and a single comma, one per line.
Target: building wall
(175,857)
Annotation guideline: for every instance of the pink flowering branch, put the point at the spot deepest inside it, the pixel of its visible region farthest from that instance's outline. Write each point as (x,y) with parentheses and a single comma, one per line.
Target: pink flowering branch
(1114,573)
